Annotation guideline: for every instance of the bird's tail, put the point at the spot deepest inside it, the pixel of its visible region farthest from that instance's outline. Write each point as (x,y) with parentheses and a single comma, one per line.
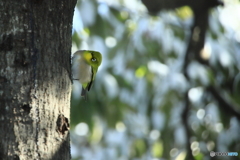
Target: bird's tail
(84,93)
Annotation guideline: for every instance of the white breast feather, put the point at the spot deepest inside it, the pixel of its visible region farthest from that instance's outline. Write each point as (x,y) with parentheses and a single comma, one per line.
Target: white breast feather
(81,70)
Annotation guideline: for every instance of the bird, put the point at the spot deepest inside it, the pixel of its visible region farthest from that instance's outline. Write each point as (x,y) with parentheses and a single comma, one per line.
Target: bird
(85,65)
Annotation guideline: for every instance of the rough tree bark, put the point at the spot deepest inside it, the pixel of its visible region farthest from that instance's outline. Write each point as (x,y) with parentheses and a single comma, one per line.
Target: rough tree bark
(35,79)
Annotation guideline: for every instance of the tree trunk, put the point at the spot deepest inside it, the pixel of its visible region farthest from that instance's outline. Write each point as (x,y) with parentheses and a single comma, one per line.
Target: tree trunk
(35,79)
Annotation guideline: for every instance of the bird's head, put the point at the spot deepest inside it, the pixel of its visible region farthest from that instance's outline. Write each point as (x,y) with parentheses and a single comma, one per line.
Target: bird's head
(93,58)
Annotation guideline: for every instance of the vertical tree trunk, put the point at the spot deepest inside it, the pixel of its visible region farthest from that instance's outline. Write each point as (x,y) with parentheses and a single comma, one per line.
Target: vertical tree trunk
(35,85)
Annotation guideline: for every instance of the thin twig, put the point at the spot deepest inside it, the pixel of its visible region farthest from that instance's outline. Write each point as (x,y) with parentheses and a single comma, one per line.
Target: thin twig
(223,104)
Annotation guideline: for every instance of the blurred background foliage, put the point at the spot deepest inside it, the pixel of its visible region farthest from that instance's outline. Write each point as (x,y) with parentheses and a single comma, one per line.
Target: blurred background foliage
(134,110)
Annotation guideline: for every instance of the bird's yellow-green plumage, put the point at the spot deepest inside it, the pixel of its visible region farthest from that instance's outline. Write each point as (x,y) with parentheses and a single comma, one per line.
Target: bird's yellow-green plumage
(85,65)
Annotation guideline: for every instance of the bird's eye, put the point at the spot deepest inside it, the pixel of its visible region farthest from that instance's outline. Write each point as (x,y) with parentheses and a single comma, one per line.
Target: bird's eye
(94,59)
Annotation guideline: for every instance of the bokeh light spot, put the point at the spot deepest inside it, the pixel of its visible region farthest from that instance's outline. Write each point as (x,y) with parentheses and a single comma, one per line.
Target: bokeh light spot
(140,72)
(81,129)
(174,152)
(110,42)
(120,127)
(200,113)
(154,134)
(195,94)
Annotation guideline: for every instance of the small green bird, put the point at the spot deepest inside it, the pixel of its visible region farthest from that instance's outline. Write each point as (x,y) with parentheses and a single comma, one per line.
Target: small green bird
(85,65)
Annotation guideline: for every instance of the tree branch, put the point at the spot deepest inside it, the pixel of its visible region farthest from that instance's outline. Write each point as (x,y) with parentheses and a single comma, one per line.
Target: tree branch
(198,31)
(185,124)
(154,6)
(197,39)
(195,45)
(223,104)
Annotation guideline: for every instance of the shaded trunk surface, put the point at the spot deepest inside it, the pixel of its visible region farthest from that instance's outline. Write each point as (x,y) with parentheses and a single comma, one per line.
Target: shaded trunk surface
(35,84)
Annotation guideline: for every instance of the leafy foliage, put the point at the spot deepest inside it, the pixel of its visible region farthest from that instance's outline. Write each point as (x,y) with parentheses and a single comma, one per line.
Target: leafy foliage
(134,110)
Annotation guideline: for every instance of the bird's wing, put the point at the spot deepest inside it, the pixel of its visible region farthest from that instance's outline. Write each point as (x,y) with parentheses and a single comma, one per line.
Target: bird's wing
(91,82)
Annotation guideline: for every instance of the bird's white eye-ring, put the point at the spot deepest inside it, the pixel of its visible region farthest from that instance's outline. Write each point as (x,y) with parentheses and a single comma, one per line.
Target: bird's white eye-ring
(94,59)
